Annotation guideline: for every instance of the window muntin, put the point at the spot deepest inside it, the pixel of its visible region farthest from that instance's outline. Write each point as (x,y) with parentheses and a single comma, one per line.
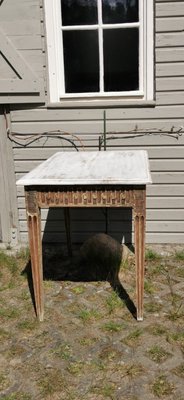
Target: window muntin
(100,46)
(138,61)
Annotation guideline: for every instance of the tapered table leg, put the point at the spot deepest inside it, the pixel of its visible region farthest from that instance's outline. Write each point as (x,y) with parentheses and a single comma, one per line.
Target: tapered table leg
(139,228)
(34,230)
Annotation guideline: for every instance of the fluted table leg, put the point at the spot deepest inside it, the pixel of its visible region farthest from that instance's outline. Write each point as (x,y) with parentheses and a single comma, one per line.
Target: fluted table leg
(34,230)
(139,228)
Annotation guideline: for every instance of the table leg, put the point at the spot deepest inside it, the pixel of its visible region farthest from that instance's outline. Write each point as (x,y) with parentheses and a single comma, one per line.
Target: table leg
(34,230)
(139,228)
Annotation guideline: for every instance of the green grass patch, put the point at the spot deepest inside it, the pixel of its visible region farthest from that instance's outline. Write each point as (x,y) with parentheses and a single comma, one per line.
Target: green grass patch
(179,371)
(157,330)
(161,386)
(133,337)
(113,326)
(88,315)
(18,396)
(63,351)
(51,382)
(27,325)
(158,354)
(179,255)
(78,289)
(152,255)
(4,382)
(113,302)
(9,313)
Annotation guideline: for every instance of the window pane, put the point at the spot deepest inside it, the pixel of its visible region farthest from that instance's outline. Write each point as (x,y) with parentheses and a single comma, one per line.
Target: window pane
(121,59)
(79,12)
(81,61)
(119,11)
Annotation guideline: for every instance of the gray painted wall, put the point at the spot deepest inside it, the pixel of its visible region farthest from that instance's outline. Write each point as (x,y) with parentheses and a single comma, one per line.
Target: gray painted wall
(162,126)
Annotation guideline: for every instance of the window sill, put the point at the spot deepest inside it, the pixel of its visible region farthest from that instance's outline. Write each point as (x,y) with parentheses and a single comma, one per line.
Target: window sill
(101,103)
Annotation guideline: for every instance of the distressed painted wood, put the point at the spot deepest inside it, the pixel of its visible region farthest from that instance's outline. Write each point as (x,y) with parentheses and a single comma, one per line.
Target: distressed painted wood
(87,168)
(8,197)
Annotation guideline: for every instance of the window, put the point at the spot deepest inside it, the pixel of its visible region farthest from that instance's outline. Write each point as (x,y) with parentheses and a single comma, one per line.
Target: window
(99,49)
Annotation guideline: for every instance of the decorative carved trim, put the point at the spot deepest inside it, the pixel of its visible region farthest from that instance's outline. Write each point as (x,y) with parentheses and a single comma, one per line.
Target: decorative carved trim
(86,198)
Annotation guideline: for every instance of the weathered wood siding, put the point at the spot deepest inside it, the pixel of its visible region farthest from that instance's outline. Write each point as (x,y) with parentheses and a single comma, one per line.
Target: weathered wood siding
(162,124)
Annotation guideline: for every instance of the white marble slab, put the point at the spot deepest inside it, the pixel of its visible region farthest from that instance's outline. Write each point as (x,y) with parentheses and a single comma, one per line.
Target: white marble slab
(91,167)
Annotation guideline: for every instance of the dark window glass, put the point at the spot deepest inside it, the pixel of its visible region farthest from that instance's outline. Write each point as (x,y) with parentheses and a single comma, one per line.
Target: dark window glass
(79,12)
(119,11)
(81,61)
(121,65)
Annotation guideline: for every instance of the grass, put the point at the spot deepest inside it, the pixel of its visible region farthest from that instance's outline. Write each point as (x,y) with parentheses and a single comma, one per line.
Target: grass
(157,330)
(4,382)
(107,390)
(133,338)
(113,302)
(18,396)
(8,262)
(87,315)
(113,326)
(161,386)
(78,289)
(51,382)
(132,370)
(76,367)
(9,313)
(179,255)
(152,255)
(27,325)
(158,354)
(149,287)
(179,371)
(63,351)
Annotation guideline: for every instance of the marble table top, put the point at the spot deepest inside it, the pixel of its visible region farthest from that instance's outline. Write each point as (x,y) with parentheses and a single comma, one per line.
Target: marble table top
(91,167)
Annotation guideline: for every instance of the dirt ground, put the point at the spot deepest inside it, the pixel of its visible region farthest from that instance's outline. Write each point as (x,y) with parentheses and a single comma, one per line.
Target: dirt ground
(89,346)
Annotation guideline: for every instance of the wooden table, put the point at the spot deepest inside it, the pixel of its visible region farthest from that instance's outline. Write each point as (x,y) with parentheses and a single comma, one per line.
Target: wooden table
(87,179)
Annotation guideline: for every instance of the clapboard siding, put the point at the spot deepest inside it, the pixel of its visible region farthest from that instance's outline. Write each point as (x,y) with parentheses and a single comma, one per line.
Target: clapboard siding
(158,129)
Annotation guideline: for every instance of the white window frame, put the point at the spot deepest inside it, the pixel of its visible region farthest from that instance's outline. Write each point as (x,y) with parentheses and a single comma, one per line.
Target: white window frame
(56,63)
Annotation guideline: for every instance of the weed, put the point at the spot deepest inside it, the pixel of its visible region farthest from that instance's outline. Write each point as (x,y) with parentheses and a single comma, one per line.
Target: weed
(78,289)
(9,313)
(87,341)
(18,396)
(161,386)
(152,307)
(113,302)
(132,370)
(52,381)
(132,338)
(107,390)
(112,326)
(8,262)
(175,313)
(176,337)
(4,382)
(179,371)
(76,367)
(23,254)
(157,330)
(86,315)
(179,255)
(158,354)
(4,334)
(152,255)
(149,287)
(63,351)
(27,325)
